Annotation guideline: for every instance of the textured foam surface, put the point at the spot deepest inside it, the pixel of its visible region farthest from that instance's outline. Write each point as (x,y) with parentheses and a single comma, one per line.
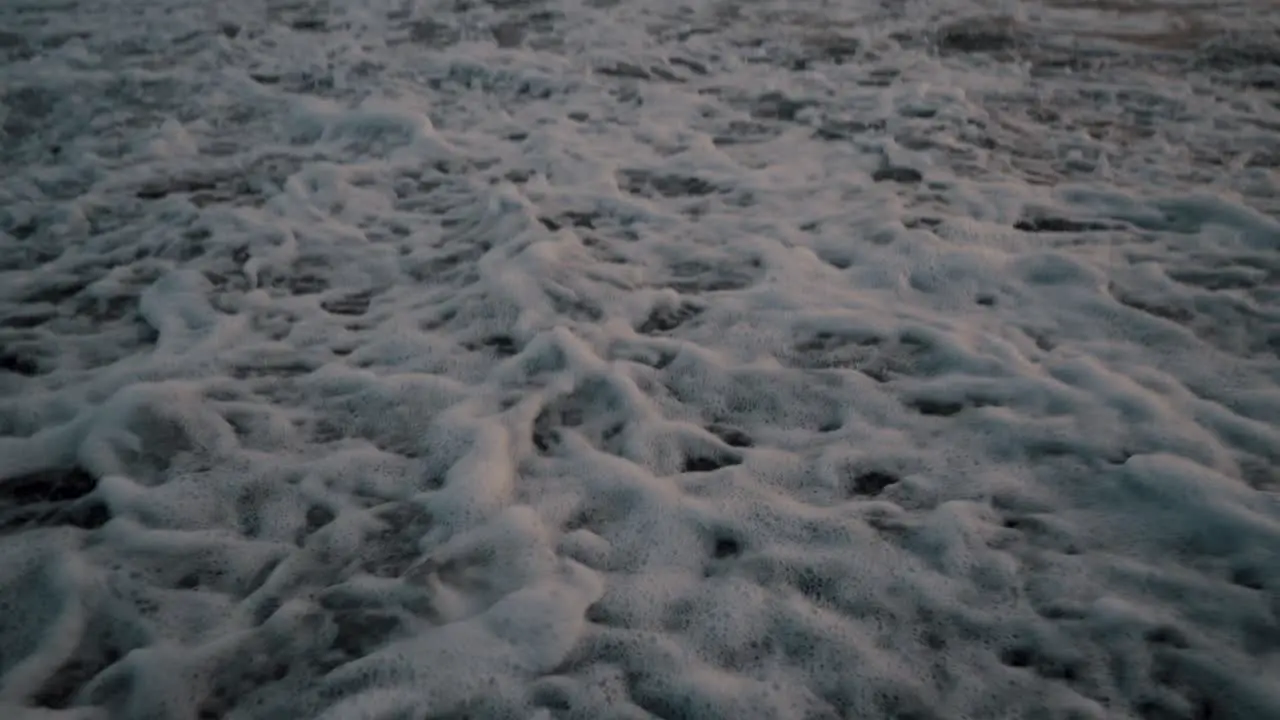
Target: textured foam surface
(577,359)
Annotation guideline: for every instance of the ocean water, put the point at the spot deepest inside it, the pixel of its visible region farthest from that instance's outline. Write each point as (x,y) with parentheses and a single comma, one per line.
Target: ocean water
(578,359)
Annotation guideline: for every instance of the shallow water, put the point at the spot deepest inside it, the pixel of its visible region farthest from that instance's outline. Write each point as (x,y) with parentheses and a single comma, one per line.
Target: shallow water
(639,360)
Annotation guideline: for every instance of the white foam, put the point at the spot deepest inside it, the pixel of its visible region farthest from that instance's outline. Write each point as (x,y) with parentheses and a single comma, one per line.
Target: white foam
(384,359)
